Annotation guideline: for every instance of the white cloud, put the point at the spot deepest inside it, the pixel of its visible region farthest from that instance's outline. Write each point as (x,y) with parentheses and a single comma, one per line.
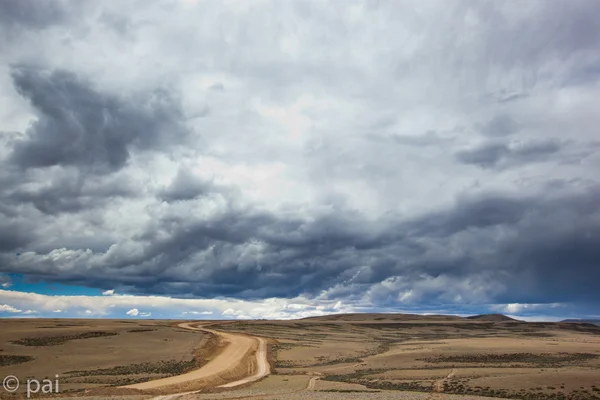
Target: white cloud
(198,312)
(5,281)
(405,296)
(296,306)
(525,308)
(8,308)
(108,292)
(133,312)
(271,308)
(444,288)
(537,318)
(514,308)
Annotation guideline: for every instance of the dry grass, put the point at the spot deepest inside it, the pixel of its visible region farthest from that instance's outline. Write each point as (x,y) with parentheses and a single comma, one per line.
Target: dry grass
(61,339)
(12,360)
(492,356)
(96,353)
(339,357)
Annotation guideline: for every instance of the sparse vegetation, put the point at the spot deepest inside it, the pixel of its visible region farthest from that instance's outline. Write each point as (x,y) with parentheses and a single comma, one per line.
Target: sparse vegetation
(506,359)
(166,368)
(543,359)
(58,340)
(12,360)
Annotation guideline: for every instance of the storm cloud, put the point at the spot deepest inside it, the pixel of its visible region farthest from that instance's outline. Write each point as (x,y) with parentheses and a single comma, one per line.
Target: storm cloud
(386,155)
(501,154)
(76,125)
(26,14)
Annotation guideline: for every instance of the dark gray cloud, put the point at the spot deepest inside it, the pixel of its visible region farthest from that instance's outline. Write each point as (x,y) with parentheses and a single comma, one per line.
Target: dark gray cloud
(430,138)
(13,235)
(79,126)
(31,14)
(473,213)
(69,157)
(186,186)
(455,163)
(68,190)
(500,125)
(487,156)
(526,247)
(569,27)
(502,155)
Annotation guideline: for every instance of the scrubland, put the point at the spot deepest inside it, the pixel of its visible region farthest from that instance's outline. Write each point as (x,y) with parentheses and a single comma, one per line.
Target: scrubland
(354,356)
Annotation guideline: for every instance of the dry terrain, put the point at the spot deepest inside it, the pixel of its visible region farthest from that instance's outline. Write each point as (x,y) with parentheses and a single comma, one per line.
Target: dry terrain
(487,356)
(239,360)
(93,353)
(354,356)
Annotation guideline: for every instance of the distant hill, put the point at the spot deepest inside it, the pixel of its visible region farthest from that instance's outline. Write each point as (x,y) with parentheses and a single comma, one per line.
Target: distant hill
(491,318)
(584,321)
(391,317)
(382,317)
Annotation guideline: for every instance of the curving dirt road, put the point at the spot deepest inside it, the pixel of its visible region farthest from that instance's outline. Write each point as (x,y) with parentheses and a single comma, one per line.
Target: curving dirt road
(311,383)
(438,386)
(262,366)
(225,364)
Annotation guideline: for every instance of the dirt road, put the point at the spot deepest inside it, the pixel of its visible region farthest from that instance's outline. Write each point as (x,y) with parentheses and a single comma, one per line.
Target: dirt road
(262,366)
(225,365)
(438,386)
(311,383)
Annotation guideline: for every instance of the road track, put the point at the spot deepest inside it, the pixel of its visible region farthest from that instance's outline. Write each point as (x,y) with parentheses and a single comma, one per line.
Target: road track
(234,355)
(438,386)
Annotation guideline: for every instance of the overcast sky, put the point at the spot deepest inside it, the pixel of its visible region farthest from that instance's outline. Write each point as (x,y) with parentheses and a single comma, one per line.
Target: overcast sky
(291,158)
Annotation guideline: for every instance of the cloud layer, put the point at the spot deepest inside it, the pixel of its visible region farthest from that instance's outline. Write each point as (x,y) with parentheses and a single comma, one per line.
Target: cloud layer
(383,154)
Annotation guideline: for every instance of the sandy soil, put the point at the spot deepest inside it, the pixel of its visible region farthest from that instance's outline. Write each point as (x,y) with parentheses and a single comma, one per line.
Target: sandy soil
(439,356)
(262,370)
(225,366)
(360,356)
(312,388)
(97,361)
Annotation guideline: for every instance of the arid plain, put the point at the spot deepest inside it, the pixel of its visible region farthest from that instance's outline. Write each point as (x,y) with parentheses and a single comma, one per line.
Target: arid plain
(353,356)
